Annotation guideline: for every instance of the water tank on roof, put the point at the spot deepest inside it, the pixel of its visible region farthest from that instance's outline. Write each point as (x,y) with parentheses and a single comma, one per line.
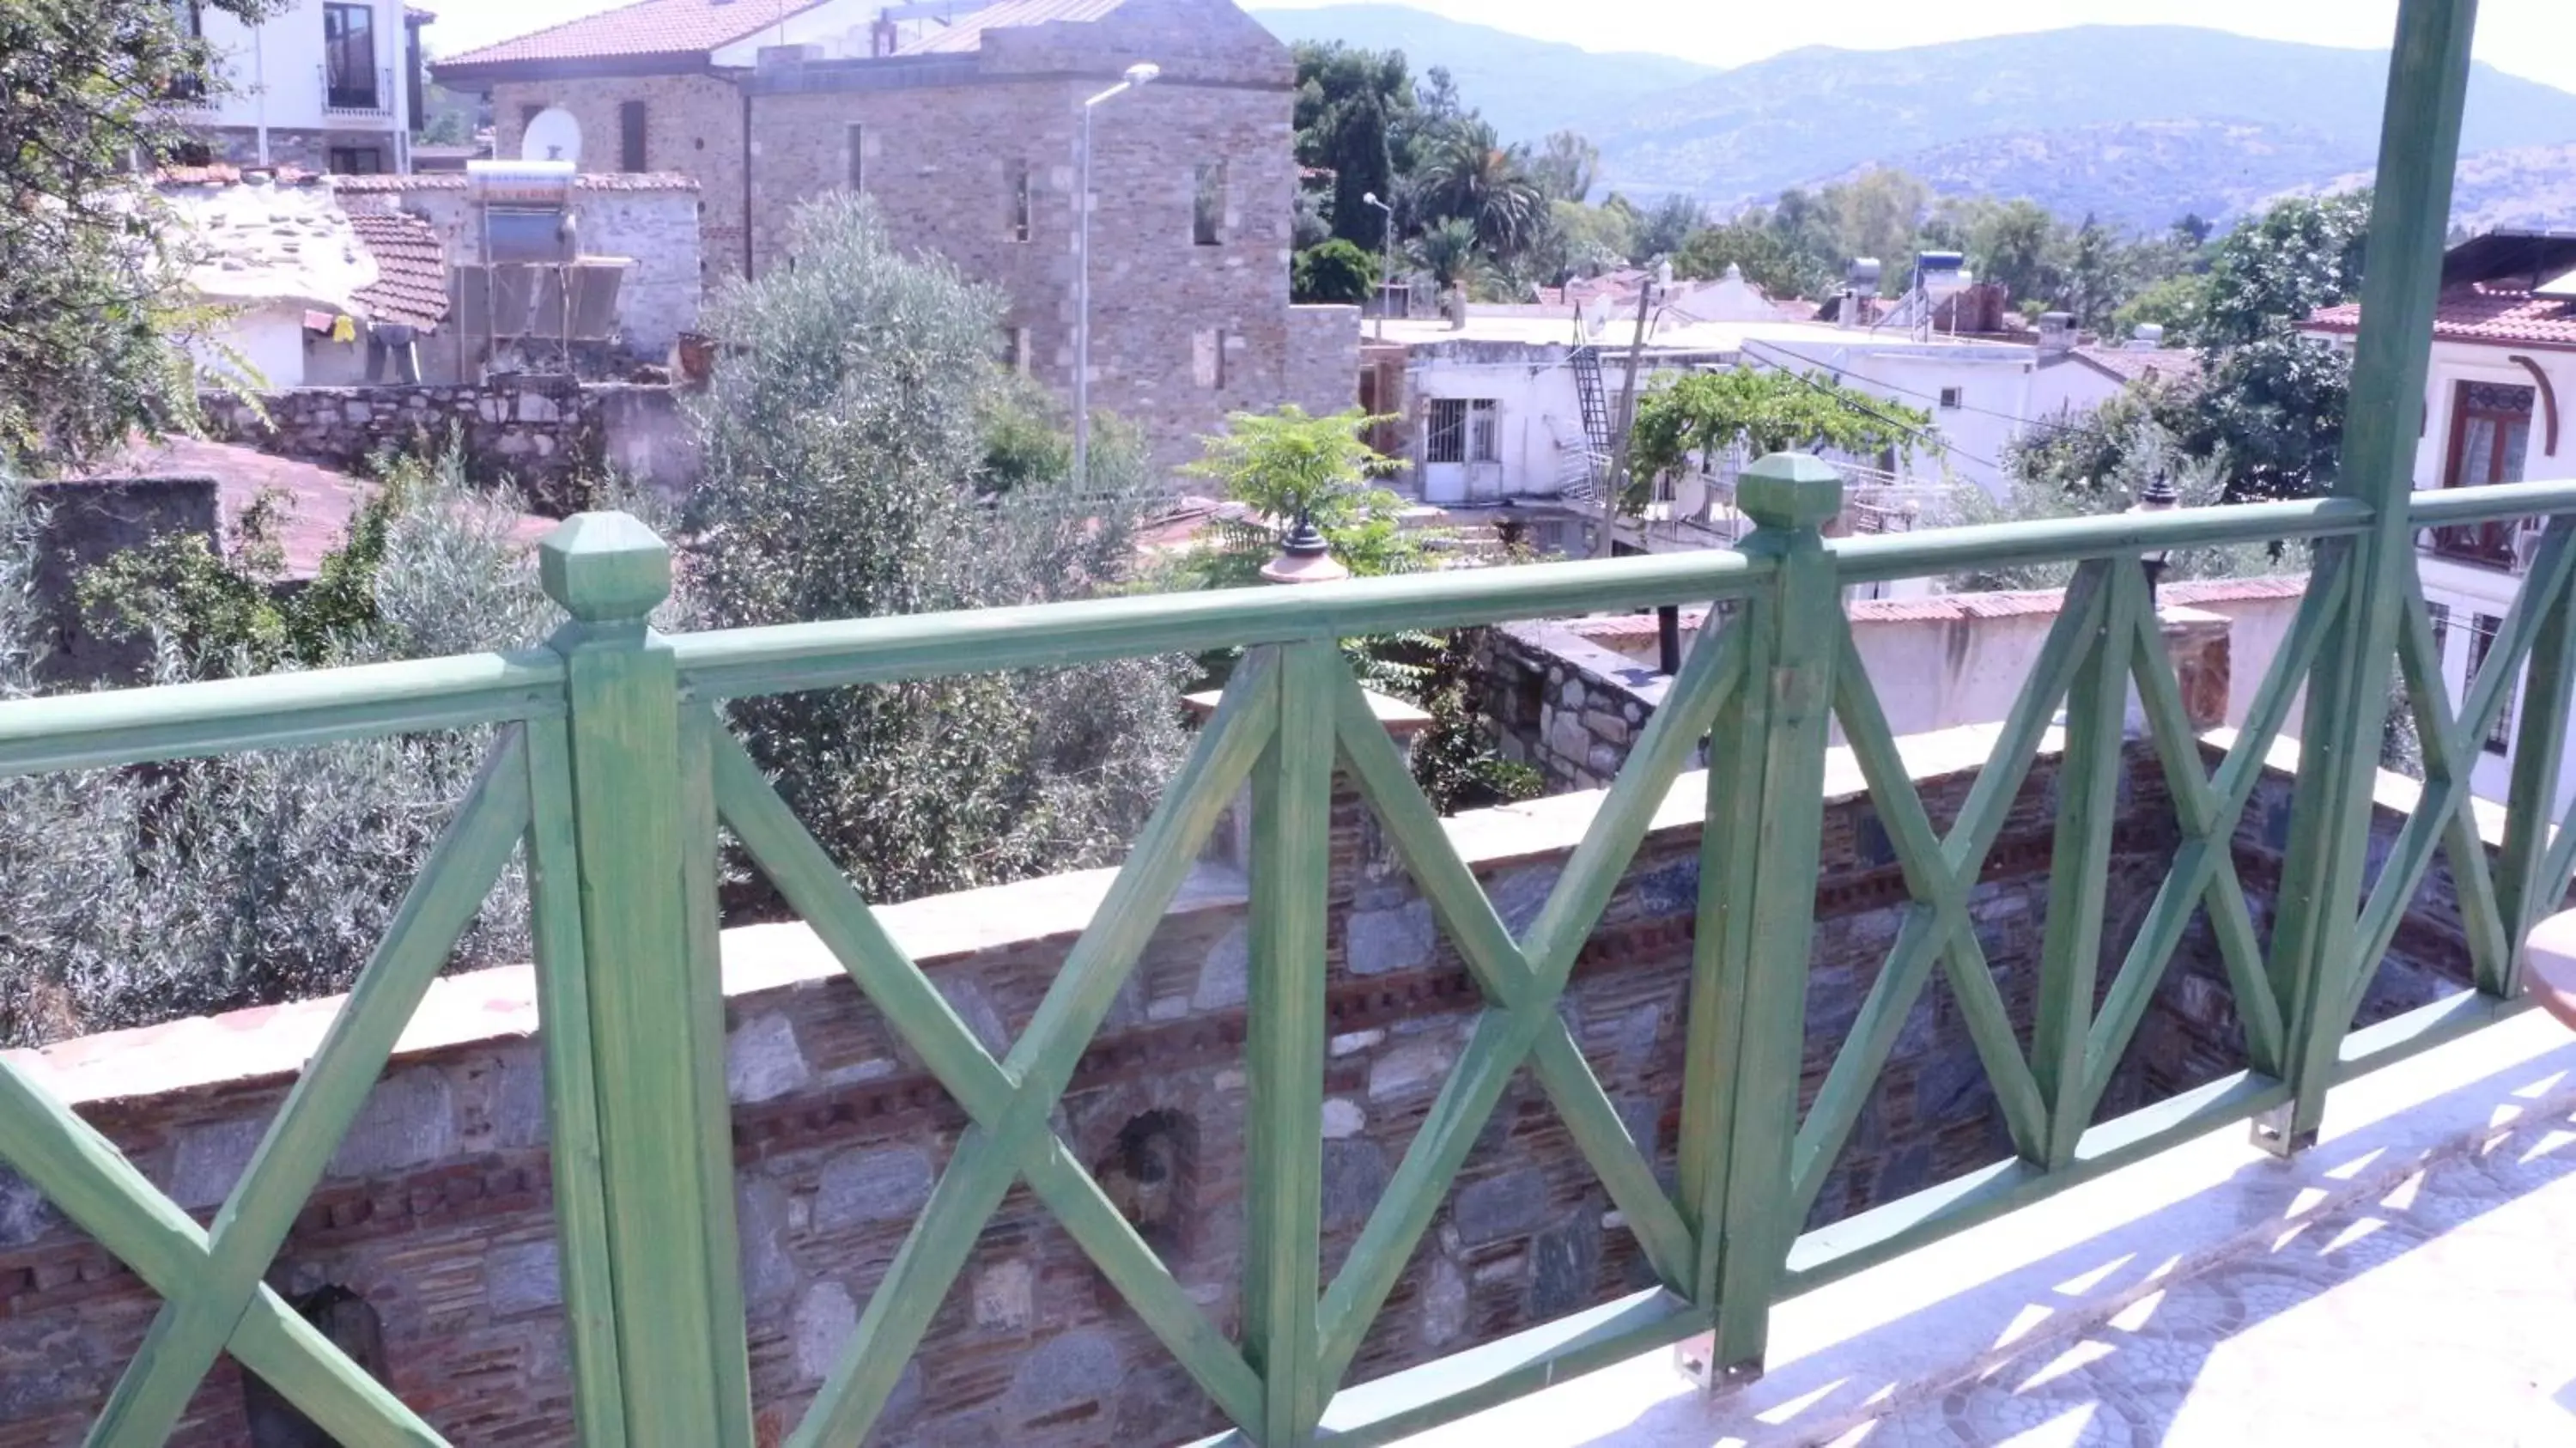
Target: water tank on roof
(1940,275)
(1866,274)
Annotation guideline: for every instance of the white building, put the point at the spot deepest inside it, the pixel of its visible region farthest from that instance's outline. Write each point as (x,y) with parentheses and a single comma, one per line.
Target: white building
(2503,371)
(1514,405)
(321,85)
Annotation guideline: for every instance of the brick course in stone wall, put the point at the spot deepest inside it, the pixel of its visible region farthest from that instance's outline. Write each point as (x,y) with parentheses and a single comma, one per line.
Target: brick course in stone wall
(436,1212)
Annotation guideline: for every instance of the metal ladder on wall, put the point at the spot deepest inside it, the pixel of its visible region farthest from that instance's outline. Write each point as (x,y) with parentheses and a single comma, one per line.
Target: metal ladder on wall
(1594,399)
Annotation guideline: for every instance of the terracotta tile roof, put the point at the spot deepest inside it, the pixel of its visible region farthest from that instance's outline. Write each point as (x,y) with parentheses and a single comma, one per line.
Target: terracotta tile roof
(648,28)
(968,33)
(455,181)
(411,269)
(2137,364)
(2480,312)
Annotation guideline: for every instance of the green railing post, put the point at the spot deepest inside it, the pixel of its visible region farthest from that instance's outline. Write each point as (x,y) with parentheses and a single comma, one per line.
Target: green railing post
(2316,942)
(1758,864)
(1292,790)
(653,1239)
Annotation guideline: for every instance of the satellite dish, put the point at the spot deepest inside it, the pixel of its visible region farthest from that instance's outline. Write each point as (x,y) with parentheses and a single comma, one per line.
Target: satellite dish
(553,135)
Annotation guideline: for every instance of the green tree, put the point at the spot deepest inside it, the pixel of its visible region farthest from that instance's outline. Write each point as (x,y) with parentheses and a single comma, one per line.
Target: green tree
(2021,246)
(2273,411)
(2274,271)
(1351,105)
(1705,413)
(1334,272)
(1471,176)
(1565,167)
(1664,230)
(1292,468)
(1767,261)
(1585,241)
(1452,254)
(845,451)
(209,885)
(95,317)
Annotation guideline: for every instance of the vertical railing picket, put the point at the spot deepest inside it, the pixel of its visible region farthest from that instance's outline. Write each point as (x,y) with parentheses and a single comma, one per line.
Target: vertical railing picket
(2088,790)
(1283,1176)
(1758,866)
(655,1010)
(2523,890)
(2321,877)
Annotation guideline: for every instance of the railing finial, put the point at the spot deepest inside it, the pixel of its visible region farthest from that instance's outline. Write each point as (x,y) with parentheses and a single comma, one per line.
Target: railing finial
(605,568)
(1793,491)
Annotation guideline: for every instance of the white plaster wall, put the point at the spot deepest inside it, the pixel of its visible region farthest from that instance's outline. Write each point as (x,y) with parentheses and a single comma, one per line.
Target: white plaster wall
(1941,674)
(268,339)
(2467,590)
(273,71)
(1537,402)
(2069,390)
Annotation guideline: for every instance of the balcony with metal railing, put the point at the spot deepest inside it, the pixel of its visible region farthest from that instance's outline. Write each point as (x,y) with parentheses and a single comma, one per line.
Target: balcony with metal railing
(360,95)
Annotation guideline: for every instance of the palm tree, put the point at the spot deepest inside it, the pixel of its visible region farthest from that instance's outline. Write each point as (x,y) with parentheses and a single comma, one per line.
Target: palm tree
(1451,253)
(1471,175)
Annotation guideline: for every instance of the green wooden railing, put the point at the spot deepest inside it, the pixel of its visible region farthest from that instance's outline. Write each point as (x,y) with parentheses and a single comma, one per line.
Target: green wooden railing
(613,766)
(614,769)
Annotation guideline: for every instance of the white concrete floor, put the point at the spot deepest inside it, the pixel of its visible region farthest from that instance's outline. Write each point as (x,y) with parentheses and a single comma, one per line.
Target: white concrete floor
(2410,1282)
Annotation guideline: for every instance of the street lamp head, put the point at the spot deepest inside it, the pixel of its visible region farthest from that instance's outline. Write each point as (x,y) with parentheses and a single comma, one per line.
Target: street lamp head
(1371,199)
(1143,72)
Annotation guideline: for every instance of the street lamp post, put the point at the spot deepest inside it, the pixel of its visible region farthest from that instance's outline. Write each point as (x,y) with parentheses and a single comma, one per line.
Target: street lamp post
(2159,496)
(1139,74)
(1386,276)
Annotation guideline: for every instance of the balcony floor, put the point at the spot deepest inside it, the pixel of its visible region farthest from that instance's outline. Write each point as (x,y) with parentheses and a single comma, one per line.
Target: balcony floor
(2412,1281)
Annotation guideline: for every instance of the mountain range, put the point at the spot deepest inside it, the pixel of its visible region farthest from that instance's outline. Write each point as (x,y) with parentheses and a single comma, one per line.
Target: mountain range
(2135,124)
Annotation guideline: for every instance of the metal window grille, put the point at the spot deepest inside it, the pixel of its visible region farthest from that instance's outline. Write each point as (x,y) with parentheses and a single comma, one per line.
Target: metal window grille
(1447,441)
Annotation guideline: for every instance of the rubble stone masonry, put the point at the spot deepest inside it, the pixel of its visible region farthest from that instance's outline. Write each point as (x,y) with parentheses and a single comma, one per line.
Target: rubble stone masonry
(433,1230)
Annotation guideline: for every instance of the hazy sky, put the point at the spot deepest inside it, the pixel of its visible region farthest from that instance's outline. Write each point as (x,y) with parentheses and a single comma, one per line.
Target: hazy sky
(2535,38)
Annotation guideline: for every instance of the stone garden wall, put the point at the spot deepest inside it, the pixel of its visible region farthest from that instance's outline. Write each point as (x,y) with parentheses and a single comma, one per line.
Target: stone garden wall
(430,1244)
(548,437)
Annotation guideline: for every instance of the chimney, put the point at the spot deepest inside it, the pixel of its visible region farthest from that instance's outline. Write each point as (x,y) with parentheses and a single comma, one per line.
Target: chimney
(2056,334)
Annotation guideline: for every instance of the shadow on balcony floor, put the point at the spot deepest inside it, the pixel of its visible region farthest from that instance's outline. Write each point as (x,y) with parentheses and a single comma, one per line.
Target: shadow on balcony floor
(2413,1281)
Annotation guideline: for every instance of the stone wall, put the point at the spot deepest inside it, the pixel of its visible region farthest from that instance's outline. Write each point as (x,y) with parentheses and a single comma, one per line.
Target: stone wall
(86,524)
(549,440)
(1181,333)
(652,220)
(1563,704)
(1323,358)
(435,1216)
(1568,698)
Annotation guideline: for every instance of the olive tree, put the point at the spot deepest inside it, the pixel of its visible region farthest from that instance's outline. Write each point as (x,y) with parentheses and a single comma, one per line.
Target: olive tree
(850,472)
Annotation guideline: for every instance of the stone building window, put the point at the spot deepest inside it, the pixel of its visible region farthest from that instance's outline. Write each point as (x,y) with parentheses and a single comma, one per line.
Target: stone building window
(1015,179)
(349,58)
(1464,430)
(630,136)
(1207,359)
(1207,208)
(857,141)
(1015,349)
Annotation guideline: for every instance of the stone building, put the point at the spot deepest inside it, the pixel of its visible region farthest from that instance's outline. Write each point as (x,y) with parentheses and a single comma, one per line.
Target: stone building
(964,132)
